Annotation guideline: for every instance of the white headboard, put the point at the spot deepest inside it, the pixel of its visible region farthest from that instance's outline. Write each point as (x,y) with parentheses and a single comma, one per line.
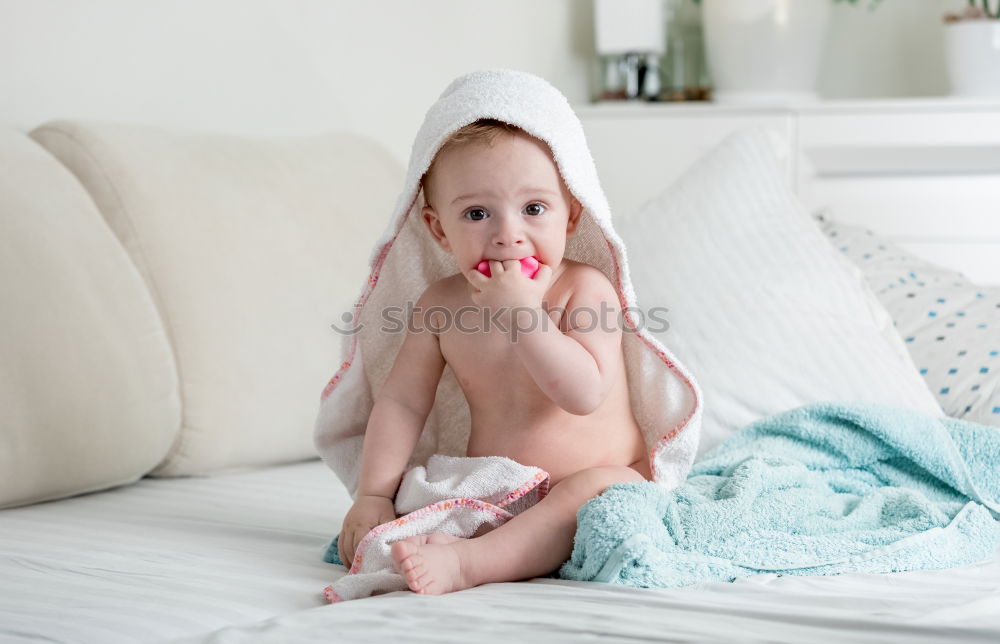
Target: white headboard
(923,172)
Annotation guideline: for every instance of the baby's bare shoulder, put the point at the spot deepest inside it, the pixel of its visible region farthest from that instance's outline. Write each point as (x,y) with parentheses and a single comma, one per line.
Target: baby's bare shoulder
(439,292)
(587,282)
(445,294)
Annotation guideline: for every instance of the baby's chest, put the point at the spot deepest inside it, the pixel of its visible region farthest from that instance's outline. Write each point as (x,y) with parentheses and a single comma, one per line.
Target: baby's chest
(478,356)
(479,345)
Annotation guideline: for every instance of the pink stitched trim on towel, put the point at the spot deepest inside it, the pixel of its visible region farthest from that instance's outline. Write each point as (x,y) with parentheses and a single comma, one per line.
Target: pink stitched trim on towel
(331,595)
(372,280)
(540,480)
(669,436)
(440,506)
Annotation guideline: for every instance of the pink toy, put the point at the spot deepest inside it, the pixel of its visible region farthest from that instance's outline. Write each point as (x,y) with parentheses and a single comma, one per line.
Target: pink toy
(529,266)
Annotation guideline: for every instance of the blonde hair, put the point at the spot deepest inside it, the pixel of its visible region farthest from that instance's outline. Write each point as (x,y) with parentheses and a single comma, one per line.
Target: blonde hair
(483,131)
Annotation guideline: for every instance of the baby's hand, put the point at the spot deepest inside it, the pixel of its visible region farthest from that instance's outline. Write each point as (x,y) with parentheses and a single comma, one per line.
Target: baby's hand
(508,286)
(366,513)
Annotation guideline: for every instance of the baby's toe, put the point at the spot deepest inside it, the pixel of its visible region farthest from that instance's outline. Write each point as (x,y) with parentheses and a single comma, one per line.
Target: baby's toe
(402,555)
(417,579)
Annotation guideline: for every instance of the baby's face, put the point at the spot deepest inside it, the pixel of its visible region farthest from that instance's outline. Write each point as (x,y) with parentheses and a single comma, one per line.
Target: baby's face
(500,201)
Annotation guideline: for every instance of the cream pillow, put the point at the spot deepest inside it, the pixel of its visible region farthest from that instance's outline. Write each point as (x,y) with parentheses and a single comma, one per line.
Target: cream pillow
(760,306)
(88,389)
(252,249)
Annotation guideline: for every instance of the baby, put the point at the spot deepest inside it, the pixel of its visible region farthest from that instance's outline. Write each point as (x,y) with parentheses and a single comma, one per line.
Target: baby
(546,382)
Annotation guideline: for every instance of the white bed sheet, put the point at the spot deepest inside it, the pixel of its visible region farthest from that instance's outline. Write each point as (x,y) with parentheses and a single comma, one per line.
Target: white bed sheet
(237,557)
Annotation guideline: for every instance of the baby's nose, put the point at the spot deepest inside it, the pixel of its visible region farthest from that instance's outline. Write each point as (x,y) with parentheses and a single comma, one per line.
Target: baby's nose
(508,240)
(508,233)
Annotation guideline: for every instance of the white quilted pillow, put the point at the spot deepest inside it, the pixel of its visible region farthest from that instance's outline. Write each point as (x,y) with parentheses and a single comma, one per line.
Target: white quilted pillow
(761,308)
(951,326)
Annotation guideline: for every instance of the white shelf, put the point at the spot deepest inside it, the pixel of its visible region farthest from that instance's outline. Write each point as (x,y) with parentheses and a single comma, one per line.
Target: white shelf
(867,161)
(841,106)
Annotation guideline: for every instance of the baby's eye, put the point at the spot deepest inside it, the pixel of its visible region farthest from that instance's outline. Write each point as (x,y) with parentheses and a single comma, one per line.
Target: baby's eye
(476,214)
(534,209)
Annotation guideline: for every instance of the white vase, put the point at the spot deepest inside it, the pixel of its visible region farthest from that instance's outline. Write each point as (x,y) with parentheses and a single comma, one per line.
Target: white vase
(764,51)
(972,51)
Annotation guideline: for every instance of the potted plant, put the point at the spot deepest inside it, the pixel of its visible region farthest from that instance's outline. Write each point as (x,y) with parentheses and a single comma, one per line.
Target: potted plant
(765,51)
(972,49)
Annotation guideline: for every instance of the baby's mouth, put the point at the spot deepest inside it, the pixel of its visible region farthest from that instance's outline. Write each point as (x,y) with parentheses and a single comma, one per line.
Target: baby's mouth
(529,266)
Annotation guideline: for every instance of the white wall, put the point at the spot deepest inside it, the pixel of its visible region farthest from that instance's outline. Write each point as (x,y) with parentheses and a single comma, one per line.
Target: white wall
(275,66)
(372,66)
(895,49)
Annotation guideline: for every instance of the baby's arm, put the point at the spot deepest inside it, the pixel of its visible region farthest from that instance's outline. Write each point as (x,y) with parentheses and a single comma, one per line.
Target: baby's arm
(402,406)
(576,370)
(394,427)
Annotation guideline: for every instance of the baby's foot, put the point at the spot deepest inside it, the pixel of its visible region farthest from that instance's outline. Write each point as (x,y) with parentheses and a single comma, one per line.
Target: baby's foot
(431,568)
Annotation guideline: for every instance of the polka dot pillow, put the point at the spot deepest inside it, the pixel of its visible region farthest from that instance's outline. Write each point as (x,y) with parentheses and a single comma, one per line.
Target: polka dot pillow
(950,326)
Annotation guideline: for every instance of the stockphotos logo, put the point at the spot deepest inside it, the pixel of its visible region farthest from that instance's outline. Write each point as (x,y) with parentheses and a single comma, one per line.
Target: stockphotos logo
(515,321)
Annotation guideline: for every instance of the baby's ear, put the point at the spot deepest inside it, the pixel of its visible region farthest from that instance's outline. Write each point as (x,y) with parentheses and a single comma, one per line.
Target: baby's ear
(575,210)
(434,226)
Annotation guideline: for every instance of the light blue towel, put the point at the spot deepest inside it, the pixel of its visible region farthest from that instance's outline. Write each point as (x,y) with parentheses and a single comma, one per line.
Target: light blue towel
(823,489)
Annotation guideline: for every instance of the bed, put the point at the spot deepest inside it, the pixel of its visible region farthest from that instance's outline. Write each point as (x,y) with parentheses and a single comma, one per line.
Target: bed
(236,554)
(239,558)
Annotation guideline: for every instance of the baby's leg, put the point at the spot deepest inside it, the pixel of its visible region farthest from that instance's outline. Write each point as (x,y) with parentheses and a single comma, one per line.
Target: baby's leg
(532,544)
